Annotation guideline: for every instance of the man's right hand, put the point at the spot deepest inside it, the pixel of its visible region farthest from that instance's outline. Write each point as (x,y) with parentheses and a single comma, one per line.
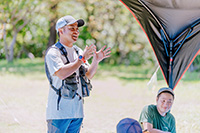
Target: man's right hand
(88,51)
(150,128)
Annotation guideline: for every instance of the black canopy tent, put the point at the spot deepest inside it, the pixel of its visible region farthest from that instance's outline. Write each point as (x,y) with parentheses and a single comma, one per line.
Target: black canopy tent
(173,30)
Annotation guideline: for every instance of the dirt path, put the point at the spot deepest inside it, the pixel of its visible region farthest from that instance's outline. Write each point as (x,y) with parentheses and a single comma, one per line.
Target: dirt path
(23,104)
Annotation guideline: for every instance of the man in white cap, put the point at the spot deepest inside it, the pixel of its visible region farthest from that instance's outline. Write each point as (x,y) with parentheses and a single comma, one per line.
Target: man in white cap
(62,64)
(157,118)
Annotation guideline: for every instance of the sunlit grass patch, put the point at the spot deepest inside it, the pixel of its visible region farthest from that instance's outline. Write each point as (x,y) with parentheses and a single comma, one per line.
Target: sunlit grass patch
(22,66)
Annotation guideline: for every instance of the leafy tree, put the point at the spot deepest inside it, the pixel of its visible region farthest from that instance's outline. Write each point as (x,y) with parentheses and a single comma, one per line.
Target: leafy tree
(107,22)
(14,16)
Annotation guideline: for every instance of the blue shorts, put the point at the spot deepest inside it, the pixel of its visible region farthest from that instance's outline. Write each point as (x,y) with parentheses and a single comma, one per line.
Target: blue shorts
(64,125)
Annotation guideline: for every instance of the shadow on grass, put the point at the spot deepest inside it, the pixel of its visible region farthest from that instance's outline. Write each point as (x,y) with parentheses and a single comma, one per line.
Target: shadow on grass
(22,66)
(133,78)
(126,73)
(144,72)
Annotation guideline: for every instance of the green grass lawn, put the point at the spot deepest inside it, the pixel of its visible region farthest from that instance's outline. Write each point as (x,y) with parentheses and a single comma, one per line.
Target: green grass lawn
(126,73)
(118,92)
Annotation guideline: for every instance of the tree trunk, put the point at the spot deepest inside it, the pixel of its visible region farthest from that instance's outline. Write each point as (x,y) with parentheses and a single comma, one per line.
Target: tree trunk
(5,43)
(11,49)
(52,36)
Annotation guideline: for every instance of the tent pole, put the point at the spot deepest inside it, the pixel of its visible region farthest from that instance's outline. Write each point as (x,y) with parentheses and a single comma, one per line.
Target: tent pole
(171,64)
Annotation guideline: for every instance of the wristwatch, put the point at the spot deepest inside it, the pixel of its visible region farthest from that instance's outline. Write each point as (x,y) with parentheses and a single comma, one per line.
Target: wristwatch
(80,57)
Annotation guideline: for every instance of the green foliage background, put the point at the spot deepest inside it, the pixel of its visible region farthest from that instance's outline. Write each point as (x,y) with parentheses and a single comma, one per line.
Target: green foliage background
(107,23)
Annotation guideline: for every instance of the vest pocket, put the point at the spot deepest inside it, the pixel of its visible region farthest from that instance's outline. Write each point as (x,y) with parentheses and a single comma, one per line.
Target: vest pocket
(69,87)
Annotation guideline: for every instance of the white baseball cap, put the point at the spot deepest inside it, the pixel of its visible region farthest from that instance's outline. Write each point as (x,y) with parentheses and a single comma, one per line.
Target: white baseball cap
(67,20)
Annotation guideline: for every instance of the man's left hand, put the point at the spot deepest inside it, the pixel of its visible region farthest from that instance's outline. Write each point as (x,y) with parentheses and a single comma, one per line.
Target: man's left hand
(102,54)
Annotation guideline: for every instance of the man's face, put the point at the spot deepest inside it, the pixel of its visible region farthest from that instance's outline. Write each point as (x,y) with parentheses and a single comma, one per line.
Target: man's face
(70,33)
(164,103)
